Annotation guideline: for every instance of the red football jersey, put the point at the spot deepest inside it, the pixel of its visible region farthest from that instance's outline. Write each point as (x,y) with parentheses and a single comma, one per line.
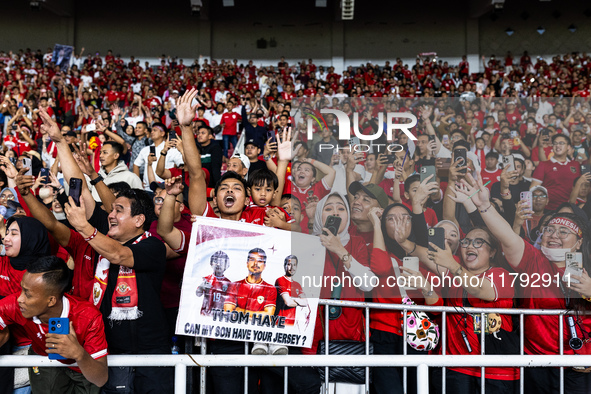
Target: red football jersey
(293,289)
(216,296)
(252,297)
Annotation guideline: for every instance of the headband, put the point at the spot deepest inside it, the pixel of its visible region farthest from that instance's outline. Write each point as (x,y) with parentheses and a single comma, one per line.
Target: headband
(567,223)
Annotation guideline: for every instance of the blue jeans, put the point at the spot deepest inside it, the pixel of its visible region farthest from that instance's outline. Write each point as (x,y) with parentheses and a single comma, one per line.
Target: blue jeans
(229,139)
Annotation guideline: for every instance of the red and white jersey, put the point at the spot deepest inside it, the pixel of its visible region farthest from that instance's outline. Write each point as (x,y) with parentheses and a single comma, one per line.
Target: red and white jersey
(216,296)
(10,278)
(286,285)
(85,317)
(252,297)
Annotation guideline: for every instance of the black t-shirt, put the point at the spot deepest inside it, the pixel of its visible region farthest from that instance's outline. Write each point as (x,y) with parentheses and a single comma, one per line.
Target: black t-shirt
(257,165)
(522,186)
(150,331)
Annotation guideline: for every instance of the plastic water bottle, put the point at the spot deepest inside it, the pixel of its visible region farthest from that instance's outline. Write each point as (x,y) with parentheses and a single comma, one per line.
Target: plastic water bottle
(175,348)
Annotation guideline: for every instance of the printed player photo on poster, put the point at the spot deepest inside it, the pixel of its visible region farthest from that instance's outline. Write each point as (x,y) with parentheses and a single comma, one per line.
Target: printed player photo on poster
(243,282)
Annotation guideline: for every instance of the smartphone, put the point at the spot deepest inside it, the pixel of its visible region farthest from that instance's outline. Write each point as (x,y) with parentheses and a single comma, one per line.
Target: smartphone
(437,237)
(390,159)
(445,139)
(172,135)
(354,141)
(427,171)
(152,150)
(14,127)
(91,127)
(460,156)
(574,266)
(75,190)
(58,325)
(527,196)
(412,263)
(585,169)
(332,224)
(28,164)
(272,136)
(45,172)
(431,137)
(509,163)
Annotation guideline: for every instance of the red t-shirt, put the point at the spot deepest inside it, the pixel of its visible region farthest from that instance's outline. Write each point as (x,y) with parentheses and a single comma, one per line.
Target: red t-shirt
(457,322)
(542,331)
(230,120)
(216,296)
(10,278)
(252,297)
(493,177)
(293,289)
(319,189)
(558,178)
(86,319)
(535,153)
(84,257)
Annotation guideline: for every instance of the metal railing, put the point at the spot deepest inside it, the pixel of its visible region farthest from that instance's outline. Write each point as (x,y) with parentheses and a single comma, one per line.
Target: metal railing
(421,362)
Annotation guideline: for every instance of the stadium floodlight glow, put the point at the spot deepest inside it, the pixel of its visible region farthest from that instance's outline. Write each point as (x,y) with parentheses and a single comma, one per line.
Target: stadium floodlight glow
(321,3)
(541,30)
(228,3)
(35,5)
(572,28)
(498,5)
(347,10)
(509,31)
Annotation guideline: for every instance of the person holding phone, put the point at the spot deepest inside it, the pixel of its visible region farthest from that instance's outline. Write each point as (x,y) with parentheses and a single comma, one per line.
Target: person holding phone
(564,233)
(43,296)
(346,255)
(386,326)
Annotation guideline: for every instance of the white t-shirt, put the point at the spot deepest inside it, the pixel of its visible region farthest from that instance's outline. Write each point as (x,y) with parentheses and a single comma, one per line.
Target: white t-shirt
(173,158)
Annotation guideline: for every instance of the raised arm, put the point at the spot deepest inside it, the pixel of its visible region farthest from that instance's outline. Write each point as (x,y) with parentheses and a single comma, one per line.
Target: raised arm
(170,234)
(197,188)
(69,166)
(513,247)
(105,194)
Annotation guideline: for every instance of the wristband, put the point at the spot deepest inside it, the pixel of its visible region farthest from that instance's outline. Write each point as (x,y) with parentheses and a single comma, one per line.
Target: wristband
(92,236)
(346,256)
(96,180)
(163,153)
(413,250)
(458,272)
(485,210)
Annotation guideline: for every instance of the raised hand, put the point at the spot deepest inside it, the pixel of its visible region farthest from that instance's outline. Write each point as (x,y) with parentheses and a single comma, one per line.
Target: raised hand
(50,127)
(475,188)
(185,113)
(174,186)
(8,168)
(284,151)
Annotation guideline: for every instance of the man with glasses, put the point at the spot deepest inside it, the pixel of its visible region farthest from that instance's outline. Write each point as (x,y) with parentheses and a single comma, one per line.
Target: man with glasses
(557,174)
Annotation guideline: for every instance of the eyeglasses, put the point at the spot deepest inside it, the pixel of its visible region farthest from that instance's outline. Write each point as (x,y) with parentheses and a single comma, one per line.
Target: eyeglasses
(540,196)
(160,200)
(562,233)
(559,143)
(7,197)
(476,243)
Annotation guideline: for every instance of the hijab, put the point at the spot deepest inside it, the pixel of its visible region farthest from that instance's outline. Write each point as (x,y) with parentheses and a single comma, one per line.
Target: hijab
(34,245)
(318,223)
(9,210)
(391,245)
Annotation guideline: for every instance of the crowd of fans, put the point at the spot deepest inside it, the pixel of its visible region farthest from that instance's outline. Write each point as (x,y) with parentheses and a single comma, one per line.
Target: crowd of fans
(155,144)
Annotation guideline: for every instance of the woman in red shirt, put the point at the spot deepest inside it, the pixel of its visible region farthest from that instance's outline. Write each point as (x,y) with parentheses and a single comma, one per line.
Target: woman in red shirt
(564,233)
(346,256)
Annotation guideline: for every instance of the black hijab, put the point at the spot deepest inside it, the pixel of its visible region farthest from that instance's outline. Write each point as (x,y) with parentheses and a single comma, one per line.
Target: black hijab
(391,245)
(34,241)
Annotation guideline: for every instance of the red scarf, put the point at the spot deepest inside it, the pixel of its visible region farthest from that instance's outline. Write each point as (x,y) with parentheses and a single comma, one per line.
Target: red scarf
(125,297)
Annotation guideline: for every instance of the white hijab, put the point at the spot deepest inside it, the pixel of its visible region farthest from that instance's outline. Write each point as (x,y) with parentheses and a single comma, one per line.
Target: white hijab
(318,224)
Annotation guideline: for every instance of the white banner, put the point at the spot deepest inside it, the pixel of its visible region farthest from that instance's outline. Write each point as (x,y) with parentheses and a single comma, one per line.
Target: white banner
(242,283)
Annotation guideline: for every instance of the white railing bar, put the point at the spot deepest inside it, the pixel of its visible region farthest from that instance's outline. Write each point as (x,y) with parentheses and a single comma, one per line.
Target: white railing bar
(451,309)
(218,360)
(422,379)
(561,346)
(366,349)
(326,344)
(482,352)
(285,380)
(521,352)
(180,378)
(404,350)
(443,348)
(246,369)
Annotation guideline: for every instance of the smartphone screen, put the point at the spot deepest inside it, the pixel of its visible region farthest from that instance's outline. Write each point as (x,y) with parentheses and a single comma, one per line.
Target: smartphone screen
(152,150)
(45,173)
(172,135)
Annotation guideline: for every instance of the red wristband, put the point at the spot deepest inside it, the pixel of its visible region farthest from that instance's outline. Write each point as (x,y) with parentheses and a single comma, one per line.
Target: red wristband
(92,236)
